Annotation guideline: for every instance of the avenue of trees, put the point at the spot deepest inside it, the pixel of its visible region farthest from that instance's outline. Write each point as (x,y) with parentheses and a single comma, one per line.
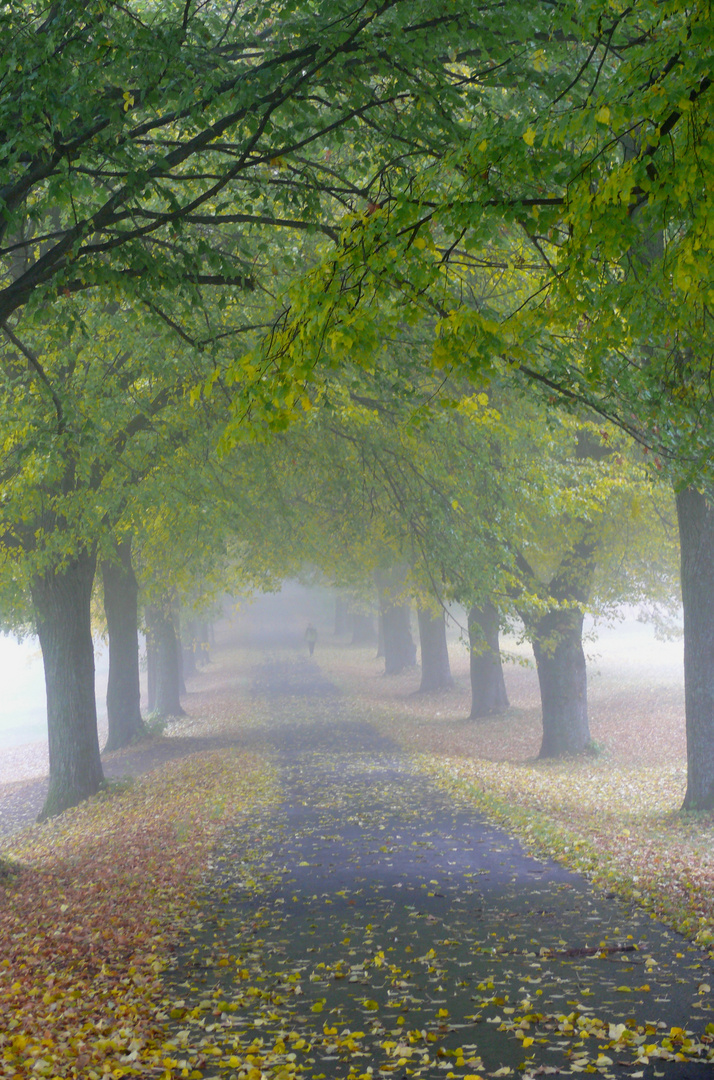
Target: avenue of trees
(414,291)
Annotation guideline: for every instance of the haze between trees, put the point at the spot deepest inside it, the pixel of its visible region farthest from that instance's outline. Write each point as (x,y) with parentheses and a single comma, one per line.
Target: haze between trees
(505,199)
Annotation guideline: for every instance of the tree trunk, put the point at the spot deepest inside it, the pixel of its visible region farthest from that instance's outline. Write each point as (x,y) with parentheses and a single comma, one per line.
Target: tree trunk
(435,668)
(488,688)
(560,661)
(121,610)
(362,629)
(399,647)
(696,534)
(62,609)
(166,655)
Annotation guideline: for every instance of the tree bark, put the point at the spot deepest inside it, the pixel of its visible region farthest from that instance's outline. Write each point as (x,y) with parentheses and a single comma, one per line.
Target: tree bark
(560,661)
(488,687)
(399,648)
(61,601)
(696,533)
(121,593)
(166,662)
(435,668)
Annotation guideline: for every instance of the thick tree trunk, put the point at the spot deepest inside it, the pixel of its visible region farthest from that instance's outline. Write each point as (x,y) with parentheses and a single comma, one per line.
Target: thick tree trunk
(362,629)
(166,662)
(121,610)
(399,647)
(560,661)
(435,668)
(488,687)
(62,608)
(696,534)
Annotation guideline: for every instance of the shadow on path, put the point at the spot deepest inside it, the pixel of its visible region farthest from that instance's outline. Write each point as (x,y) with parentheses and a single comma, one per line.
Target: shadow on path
(22,802)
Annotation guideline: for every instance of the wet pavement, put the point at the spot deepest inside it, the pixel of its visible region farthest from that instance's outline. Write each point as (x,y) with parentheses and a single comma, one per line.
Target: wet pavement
(373,924)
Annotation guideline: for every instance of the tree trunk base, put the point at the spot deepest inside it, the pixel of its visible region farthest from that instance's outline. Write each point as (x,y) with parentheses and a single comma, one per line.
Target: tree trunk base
(62,605)
(435,667)
(488,687)
(562,675)
(696,533)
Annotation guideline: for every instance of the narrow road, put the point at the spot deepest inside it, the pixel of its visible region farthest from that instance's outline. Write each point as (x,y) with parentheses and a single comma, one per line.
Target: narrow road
(372,925)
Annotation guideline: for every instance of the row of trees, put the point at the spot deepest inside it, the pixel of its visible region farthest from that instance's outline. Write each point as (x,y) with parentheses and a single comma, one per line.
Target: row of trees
(217,219)
(525,521)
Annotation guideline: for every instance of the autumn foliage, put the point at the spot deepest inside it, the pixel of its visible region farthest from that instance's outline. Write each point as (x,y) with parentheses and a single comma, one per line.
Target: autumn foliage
(92,908)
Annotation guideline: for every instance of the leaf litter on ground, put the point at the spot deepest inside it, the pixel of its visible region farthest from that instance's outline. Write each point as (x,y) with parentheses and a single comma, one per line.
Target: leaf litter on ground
(103,897)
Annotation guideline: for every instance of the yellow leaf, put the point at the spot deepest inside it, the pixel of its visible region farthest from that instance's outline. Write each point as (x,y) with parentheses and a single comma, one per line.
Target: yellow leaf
(603,115)
(529,136)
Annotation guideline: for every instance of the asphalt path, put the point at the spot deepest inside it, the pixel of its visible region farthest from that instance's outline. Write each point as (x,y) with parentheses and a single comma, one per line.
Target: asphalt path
(373,924)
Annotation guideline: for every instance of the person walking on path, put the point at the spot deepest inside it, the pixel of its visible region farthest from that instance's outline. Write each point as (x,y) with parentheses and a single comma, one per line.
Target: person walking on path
(311,638)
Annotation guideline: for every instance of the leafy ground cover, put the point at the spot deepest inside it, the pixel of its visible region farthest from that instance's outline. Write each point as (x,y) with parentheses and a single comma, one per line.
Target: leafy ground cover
(147,932)
(614,815)
(91,907)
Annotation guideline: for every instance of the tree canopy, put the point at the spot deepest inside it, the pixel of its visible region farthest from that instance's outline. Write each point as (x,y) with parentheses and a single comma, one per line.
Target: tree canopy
(214,216)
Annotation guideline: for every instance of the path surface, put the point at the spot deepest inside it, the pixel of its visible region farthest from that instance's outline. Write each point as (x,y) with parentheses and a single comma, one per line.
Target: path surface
(372,925)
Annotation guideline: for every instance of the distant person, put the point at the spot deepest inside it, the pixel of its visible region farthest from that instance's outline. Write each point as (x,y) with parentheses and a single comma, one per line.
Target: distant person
(311,638)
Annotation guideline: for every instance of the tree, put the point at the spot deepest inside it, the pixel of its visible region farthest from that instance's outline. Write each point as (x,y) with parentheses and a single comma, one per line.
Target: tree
(121,610)
(488,687)
(399,648)
(61,599)
(85,423)
(564,243)
(435,666)
(163,648)
(131,132)
(696,527)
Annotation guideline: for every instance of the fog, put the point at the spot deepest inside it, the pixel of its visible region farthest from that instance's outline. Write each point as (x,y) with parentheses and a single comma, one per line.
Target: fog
(625,654)
(23,713)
